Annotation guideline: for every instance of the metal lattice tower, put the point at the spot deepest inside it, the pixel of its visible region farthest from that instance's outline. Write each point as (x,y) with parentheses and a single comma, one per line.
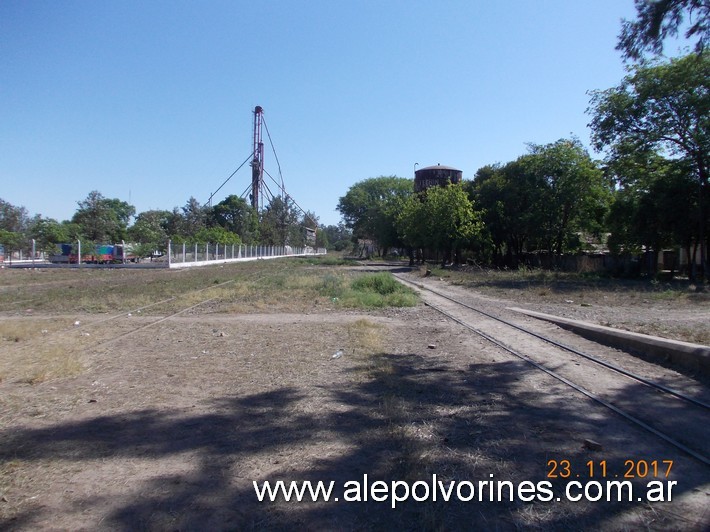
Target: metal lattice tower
(257,163)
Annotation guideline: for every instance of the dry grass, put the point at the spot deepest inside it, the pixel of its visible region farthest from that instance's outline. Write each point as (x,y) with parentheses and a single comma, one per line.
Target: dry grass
(416,457)
(37,350)
(249,397)
(283,285)
(670,310)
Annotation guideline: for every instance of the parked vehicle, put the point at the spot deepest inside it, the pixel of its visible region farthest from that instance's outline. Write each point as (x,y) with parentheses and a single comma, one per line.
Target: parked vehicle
(100,254)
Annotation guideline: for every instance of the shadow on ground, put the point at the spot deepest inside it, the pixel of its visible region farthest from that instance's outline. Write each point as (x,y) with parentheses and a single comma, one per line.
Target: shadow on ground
(409,419)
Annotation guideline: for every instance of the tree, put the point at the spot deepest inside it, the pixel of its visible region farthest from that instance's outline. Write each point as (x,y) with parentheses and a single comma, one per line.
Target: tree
(542,200)
(236,215)
(48,233)
(217,235)
(339,237)
(510,197)
(663,107)
(658,19)
(12,241)
(150,227)
(411,223)
(175,225)
(442,219)
(14,222)
(573,195)
(103,219)
(369,208)
(122,210)
(645,213)
(322,238)
(12,218)
(193,218)
(279,223)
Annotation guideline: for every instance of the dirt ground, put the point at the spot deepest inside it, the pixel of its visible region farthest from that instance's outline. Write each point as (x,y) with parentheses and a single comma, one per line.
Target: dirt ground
(166,427)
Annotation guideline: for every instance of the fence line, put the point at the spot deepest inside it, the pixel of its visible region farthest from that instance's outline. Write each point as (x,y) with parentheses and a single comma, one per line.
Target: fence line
(188,256)
(177,256)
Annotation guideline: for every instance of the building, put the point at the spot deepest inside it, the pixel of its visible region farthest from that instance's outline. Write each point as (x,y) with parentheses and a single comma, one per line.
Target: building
(438,175)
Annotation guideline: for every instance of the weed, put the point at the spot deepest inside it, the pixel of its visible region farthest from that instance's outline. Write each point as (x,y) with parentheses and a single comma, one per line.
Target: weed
(325,261)
(378,290)
(331,286)
(380,283)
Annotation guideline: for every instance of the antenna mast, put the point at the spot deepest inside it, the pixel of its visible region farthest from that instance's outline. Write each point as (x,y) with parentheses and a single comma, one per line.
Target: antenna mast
(257,163)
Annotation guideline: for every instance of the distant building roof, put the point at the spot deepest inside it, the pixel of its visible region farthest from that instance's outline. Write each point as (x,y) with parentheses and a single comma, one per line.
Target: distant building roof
(439,167)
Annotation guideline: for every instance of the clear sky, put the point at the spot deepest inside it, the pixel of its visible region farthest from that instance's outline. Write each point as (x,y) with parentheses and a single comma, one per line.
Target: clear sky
(151,101)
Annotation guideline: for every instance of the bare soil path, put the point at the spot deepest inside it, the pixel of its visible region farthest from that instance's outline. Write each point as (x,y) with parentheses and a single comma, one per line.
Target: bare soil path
(168,428)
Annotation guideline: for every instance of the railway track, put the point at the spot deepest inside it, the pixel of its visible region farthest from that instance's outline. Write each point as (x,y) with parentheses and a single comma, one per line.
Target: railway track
(679,418)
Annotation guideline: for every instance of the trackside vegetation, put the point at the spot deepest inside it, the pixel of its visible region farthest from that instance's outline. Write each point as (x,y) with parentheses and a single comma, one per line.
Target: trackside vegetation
(645,204)
(367,291)
(279,285)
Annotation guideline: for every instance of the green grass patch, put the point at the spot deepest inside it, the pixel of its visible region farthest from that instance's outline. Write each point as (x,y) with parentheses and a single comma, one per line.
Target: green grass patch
(379,283)
(324,261)
(377,290)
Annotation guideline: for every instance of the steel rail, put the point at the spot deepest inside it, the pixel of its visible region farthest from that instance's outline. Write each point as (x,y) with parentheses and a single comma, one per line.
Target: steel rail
(608,365)
(705,460)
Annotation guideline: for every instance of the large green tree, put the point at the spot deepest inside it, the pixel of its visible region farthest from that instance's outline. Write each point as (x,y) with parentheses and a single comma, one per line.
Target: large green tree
(645,213)
(542,200)
(194,218)
(217,235)
(48,233)
(236,215)
(369,208)
(102,219)
(441,219)
(13,218)
(662,107)
(338,236)
(573,195)
(510,198)
(14,223)
(658,19)
(279,224)
(150,227)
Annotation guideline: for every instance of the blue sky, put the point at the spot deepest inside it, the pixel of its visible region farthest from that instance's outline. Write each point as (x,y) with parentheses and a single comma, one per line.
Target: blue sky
(151,101)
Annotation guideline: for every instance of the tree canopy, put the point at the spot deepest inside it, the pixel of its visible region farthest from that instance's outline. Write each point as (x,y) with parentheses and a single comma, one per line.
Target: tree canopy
(663,108)
(442,219)
(659,19)
(103,219)
(279,223)
(369,208)
(236,215)
(542,200)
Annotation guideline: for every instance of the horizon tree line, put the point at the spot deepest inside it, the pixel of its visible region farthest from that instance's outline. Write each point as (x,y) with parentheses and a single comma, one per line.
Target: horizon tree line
(108,220)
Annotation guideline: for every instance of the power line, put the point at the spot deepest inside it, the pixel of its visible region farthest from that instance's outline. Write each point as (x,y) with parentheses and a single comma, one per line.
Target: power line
(278,164)
(209,201)
(259,119)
